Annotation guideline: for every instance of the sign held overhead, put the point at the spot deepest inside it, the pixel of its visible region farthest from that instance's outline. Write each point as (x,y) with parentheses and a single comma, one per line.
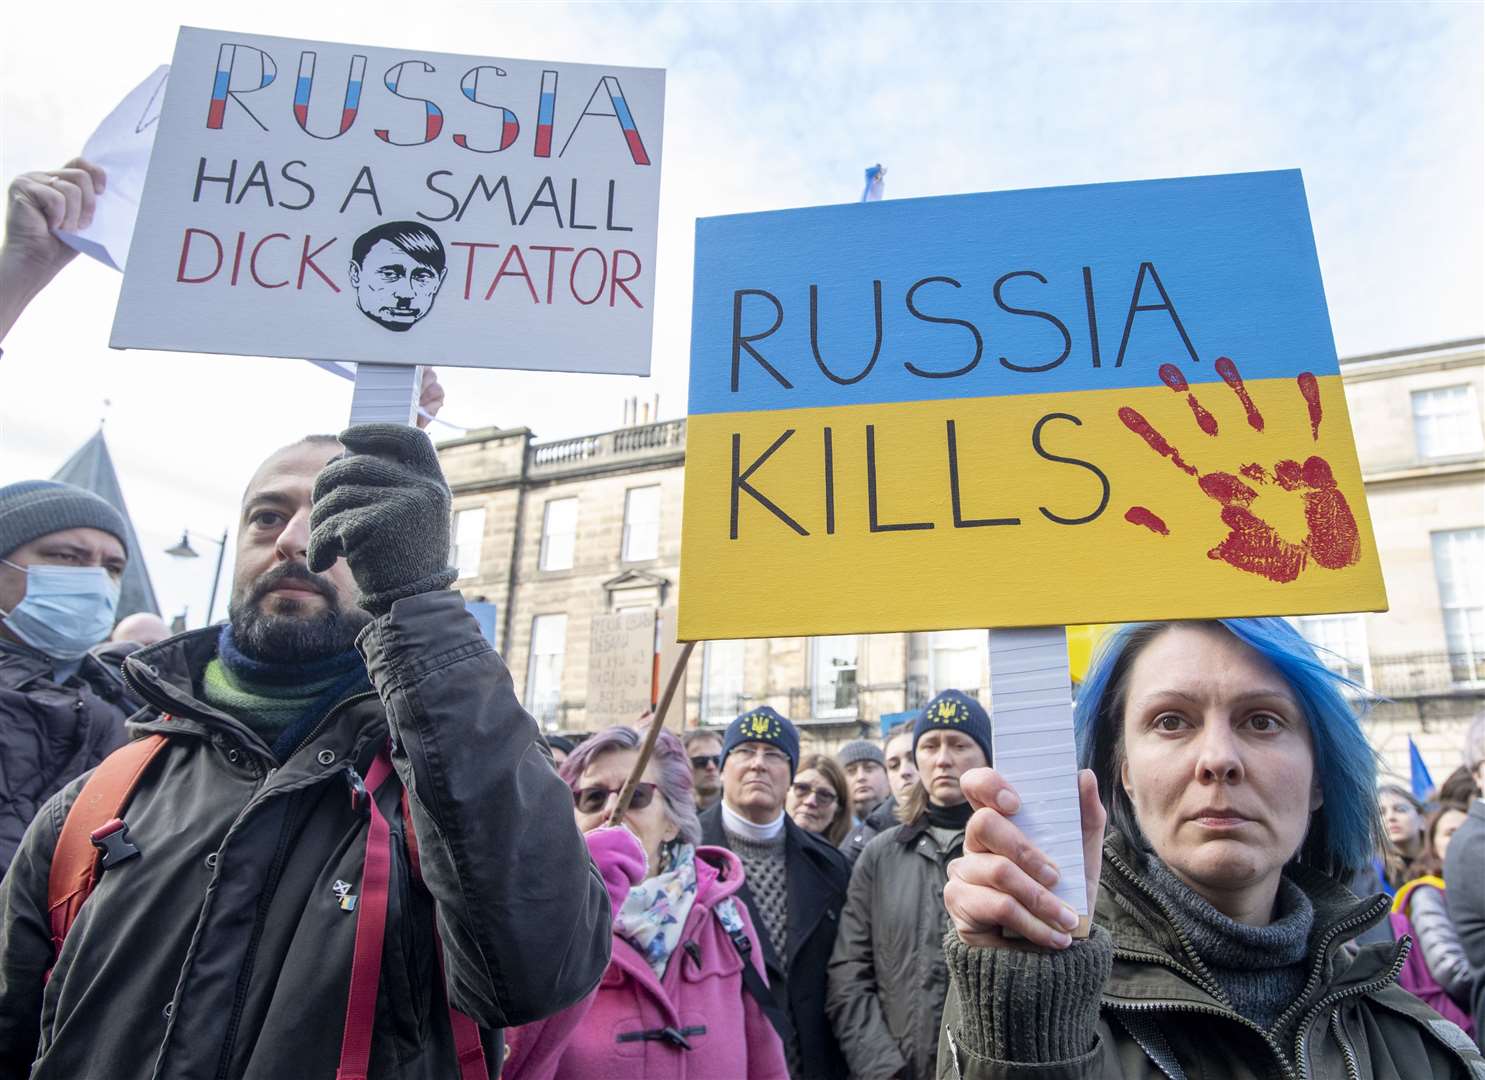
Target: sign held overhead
(318,200)
(1031,408)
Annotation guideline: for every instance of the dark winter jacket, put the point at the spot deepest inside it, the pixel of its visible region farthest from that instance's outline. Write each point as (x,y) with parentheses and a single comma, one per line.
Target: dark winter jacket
(52,732)
(1464,867)
(223,950)
(1134,1002)
(818,876)
(888,978)
(883,816)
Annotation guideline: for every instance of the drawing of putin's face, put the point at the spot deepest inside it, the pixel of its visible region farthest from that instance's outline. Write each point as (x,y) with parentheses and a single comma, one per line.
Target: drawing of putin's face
(396,270)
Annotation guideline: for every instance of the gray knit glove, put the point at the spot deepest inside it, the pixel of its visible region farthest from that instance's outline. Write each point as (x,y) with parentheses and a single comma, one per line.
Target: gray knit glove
(384,505)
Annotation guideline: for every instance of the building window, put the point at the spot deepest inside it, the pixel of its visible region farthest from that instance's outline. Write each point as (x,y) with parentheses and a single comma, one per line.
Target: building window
(1446,421)
(957,661)
(641,523)
(721,681)
(834,676)
(1458,556)
(1341,642)
(544,672)
(469,534)
(558,534)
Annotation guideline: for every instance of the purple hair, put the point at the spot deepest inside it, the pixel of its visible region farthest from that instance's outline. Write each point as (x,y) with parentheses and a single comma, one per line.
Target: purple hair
(669,759)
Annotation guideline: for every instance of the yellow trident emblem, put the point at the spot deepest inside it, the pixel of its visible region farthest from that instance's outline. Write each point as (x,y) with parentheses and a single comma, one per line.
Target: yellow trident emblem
(760,725)
(948,712)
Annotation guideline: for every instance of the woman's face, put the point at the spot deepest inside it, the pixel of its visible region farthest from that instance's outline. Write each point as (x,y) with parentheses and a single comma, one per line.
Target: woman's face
(944,756)
(812,801)
(1218,765)
(1403,823)
(1448,823)
(650,823)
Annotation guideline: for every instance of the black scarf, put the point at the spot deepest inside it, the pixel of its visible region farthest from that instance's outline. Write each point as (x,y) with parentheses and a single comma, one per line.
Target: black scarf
(954,817)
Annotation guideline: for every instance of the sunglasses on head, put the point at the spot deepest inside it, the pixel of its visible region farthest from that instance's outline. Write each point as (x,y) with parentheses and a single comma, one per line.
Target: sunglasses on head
(590,800)
(701,761)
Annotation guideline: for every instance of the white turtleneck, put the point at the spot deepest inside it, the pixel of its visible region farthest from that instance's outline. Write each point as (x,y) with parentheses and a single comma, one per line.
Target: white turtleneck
(735,823)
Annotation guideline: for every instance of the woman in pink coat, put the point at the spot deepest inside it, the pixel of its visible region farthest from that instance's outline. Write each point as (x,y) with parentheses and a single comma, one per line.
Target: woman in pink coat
(673,1004)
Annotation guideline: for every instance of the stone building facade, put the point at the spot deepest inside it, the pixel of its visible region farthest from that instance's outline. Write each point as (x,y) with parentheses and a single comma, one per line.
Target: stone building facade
(554,533)
(1419,419)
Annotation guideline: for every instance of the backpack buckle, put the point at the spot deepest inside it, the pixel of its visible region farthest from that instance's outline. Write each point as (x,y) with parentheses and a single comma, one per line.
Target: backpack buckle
(360,797)
(112,839)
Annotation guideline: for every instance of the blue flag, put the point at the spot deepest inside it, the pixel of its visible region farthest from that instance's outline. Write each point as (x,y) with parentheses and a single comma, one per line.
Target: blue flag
(875,175)
(1422,782)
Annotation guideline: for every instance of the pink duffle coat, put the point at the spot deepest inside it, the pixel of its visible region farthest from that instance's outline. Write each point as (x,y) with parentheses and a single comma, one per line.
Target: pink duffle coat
(702,988)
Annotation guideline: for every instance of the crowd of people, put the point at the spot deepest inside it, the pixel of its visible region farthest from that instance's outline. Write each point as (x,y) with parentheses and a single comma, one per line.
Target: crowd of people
(325,839)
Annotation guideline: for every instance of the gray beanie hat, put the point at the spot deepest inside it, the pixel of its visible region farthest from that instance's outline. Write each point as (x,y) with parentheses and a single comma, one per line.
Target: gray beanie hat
(33,508)
(860,750)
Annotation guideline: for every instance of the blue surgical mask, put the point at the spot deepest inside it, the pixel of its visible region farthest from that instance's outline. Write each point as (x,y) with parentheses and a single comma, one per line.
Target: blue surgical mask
(66,611)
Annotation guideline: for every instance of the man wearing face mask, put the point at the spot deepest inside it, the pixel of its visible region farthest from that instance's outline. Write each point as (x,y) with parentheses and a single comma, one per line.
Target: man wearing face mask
(62,709)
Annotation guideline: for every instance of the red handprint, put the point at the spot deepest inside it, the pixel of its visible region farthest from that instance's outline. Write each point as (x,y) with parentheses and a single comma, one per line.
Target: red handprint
(1252,544)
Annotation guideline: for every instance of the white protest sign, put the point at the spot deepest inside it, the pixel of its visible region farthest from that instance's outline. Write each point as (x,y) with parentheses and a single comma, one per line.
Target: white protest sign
(121,148)
(621,667)
(342,202)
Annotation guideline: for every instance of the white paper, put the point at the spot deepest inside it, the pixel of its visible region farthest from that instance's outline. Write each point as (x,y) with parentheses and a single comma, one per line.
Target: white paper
(395,206)
(121,148)
(1035,749)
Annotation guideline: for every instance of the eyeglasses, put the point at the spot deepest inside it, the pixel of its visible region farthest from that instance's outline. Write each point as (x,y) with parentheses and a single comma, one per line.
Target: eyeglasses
(823,795)
(590,800)
(701,761)
(768,754)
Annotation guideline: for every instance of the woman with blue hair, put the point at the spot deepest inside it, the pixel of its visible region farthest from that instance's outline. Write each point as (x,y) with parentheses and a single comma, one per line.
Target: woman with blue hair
(1239,792)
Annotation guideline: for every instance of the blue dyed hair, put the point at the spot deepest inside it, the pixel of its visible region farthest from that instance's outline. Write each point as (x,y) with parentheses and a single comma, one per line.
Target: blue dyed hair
(1345,833)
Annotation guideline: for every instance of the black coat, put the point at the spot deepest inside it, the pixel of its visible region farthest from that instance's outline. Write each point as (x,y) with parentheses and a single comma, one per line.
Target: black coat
(51,732)
(223,951)
(883,816)
(1464,872)
(818,877)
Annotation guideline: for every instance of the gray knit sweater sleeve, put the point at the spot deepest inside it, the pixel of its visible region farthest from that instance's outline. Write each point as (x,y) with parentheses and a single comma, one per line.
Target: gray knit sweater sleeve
(1442,950)
(1029,1007)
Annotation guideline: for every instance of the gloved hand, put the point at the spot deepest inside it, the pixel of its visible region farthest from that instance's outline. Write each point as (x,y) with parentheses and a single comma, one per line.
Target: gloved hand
(384,505)
(620,859)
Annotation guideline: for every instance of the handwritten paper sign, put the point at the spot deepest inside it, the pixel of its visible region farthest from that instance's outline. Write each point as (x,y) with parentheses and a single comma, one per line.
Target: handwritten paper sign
(621,666)
(331,201)
(1069,405)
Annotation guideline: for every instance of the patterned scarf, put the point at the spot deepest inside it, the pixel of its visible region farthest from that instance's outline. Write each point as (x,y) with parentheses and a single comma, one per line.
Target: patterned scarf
(652,918)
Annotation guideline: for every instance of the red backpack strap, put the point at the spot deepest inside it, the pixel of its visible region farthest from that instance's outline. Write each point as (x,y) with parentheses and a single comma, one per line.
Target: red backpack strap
(76,860)
(467,1045)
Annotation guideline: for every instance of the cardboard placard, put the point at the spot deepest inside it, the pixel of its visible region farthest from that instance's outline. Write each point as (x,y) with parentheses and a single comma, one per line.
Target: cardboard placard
(319,200)
(621,665)
(1030,408)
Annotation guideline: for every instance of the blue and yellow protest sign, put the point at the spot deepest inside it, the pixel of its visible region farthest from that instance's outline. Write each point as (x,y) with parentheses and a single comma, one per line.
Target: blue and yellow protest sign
(1068,405)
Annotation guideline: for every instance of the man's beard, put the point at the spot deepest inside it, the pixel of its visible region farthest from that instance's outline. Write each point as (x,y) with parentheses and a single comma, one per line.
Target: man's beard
(293,638)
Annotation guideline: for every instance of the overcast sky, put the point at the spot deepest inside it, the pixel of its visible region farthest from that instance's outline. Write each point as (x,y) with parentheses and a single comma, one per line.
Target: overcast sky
(1381,104)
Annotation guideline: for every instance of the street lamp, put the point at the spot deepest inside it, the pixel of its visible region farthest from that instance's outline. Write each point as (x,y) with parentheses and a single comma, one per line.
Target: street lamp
(184,550)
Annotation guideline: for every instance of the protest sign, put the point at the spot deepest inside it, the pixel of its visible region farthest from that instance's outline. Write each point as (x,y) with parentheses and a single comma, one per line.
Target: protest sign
(1031,408)
(621,667)
(331,201)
